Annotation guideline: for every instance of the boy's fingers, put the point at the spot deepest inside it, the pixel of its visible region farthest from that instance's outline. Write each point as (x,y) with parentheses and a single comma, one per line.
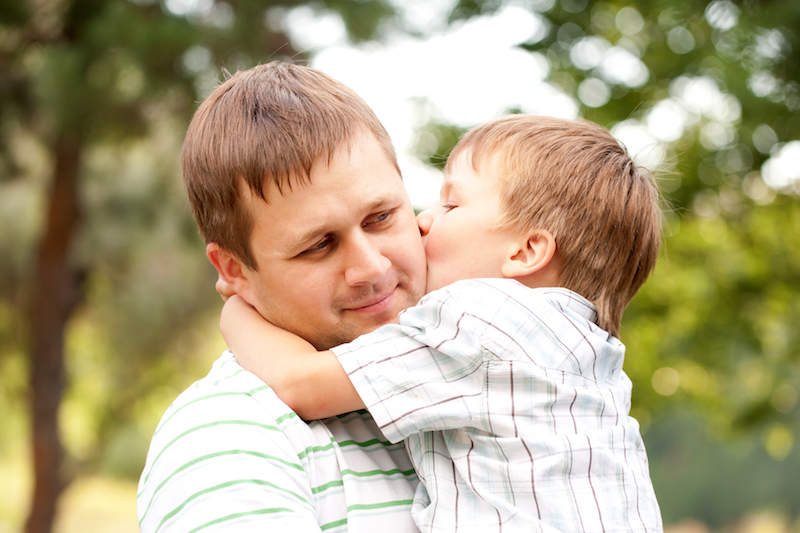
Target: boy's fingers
(224,289)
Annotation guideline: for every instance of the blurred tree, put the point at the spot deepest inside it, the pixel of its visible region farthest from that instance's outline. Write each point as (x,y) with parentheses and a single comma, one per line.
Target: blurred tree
(697,477)
(80,82)
(715,87)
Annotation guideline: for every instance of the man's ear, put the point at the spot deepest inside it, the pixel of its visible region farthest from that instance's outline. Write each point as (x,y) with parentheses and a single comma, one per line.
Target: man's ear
(533,254)
(230,269)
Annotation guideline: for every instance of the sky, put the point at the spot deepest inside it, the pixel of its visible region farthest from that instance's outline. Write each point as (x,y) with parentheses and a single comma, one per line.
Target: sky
(473,71)
(462,75)
(465,74)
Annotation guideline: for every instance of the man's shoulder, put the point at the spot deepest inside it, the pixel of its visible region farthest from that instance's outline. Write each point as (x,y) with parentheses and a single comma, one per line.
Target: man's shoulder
(226,375)
(229,449)
(225,440)
(227,388)
(228,409)
(226,402)
(225,429)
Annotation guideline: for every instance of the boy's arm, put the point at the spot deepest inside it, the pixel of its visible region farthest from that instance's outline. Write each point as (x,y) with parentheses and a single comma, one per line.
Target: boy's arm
(313,384)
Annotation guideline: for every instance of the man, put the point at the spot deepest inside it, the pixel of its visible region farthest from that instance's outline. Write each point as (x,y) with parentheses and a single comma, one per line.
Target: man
(295,187)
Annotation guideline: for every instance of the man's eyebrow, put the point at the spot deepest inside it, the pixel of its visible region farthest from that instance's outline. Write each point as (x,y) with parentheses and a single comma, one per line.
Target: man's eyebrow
(384,202)
(310,235)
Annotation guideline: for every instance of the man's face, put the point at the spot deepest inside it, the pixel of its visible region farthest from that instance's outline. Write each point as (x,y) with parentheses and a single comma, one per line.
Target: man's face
(341,255)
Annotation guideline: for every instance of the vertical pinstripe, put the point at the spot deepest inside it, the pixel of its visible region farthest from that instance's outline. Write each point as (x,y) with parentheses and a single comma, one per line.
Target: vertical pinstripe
(514,407)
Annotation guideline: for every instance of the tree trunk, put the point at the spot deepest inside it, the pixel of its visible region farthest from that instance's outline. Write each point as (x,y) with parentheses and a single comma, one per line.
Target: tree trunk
(55,292)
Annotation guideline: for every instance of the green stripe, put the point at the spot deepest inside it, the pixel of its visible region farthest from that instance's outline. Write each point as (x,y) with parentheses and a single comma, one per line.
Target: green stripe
(239,515)
(212,456)
(208,397)
(222,486)
(364,444)
(315,449)
(344,444)
(187,404)
(330,525)
(206,426)
(257,389)
(359,412)
(326,486)
(290,414)
(326,447)
(378,472)
(220,380)
(382,505)
(370,473)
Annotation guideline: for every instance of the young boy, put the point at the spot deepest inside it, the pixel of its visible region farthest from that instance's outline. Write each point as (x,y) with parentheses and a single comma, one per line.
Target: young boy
(506,380)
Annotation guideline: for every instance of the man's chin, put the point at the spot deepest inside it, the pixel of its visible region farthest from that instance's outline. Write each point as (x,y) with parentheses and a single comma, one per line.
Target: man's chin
(339,337)
(349,330)
(353,324)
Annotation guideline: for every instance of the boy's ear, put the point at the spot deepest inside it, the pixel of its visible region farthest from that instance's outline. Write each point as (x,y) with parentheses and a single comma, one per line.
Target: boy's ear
(230,269)
(534,254)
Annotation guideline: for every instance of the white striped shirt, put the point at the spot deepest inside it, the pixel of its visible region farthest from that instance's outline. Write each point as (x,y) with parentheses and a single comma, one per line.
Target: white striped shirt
(228,455)
(514,407)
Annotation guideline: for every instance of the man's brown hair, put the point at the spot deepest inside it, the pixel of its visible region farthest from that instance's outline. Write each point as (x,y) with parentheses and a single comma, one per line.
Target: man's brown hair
(573,179)
(271,122)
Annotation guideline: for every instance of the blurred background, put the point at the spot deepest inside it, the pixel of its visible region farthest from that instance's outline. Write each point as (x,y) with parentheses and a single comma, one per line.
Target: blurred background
(107,306)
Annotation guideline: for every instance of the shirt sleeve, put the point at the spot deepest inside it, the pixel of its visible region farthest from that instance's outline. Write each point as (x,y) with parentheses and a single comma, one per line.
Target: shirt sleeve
(217,460)
(426,373)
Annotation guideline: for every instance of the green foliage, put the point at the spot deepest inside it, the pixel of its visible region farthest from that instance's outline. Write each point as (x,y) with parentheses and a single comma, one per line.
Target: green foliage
(440,140)
(716,326)
(721,309)
(716,482)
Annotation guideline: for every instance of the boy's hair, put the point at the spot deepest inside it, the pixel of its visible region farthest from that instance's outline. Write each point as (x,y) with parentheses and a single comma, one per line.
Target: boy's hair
(271,122)
(573,179)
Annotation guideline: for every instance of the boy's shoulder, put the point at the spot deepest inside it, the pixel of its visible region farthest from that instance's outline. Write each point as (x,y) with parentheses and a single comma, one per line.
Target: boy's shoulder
(493,293)
(552,326)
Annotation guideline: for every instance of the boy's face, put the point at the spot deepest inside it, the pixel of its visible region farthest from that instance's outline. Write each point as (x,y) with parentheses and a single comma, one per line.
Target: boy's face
(341,255)
(461,234)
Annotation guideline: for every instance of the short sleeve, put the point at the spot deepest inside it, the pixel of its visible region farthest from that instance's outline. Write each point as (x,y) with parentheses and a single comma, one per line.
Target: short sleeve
(426,373)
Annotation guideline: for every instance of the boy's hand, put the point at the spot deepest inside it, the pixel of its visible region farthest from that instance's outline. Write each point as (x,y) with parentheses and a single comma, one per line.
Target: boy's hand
(312,383)
(224,289)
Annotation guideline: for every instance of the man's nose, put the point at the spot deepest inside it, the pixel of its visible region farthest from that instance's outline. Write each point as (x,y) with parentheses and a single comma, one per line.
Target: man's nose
(424,221)
(366,263)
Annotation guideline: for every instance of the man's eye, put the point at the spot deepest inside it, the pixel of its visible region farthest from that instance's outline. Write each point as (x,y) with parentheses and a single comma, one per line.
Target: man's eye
(319,246)
(378,219)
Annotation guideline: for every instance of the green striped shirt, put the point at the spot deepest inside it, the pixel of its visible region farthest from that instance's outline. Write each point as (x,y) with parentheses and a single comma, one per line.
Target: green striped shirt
(229,455)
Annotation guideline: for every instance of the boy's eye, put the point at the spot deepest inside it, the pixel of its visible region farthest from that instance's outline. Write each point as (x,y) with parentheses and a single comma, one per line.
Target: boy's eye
(448,207)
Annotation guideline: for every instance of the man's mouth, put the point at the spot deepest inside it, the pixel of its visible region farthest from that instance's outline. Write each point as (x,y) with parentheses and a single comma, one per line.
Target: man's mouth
(374,305)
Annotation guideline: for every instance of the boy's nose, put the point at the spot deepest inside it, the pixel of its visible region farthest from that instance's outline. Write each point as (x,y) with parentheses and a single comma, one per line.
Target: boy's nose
(424,221)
